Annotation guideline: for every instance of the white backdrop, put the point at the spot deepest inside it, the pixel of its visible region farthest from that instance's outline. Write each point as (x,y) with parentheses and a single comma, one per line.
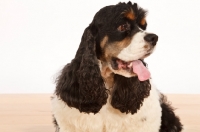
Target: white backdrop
(38,37)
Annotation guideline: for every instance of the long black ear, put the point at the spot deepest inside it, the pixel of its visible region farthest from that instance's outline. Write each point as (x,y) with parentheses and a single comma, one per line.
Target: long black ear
(80,84)
(128,93)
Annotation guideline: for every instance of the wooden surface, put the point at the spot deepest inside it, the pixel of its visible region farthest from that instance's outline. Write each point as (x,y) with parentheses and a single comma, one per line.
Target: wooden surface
(32,112)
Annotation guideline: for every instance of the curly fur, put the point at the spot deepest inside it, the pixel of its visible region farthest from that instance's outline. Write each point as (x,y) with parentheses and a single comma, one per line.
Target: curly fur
(80,84)
(129,93)
(170,122)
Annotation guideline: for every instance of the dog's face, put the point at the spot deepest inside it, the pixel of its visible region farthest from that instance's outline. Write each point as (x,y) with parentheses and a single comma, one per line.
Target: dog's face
(121,37)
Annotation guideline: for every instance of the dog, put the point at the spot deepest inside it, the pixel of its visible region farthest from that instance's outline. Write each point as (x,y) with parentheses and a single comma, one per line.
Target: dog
(107,87)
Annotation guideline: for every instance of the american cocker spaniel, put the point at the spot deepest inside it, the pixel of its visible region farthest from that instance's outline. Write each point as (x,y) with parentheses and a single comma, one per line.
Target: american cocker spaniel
(107,86)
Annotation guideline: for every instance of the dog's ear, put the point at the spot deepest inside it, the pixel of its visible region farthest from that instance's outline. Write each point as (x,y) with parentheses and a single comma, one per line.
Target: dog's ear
(129,93)
(80,84)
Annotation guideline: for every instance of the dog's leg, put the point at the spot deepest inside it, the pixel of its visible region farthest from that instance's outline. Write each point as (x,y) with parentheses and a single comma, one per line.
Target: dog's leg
(170,122)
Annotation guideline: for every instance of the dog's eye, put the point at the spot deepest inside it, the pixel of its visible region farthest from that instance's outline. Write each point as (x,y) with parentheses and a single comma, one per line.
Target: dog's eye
(123,27)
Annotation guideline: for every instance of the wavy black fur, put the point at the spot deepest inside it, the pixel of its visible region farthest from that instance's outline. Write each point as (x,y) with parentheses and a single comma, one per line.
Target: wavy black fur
(129,93)
(80,84)
(170,122)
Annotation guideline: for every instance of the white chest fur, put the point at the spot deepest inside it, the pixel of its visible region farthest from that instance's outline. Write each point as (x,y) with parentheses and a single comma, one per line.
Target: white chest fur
(147,119)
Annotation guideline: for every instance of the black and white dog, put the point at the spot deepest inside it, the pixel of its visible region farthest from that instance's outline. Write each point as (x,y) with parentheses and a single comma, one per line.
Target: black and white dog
(107,86)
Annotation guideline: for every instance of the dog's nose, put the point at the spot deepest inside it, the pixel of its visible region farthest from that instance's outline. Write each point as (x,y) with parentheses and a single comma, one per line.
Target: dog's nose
(151,38)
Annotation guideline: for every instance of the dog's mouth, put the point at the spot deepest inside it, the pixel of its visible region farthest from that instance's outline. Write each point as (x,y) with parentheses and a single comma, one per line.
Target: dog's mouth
(135,66)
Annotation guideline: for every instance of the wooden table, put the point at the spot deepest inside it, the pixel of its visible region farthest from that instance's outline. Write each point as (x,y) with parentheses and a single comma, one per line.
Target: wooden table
(32,112)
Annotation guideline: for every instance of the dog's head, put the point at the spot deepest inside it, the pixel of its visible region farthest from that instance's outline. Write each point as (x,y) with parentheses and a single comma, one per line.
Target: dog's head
(115,44)
(121,39)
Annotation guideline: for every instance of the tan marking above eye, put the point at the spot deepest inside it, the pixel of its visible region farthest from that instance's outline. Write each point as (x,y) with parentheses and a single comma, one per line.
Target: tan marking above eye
(129,14)
(143,21)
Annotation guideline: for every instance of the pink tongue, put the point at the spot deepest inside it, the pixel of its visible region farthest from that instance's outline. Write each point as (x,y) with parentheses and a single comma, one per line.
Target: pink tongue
(142,72)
